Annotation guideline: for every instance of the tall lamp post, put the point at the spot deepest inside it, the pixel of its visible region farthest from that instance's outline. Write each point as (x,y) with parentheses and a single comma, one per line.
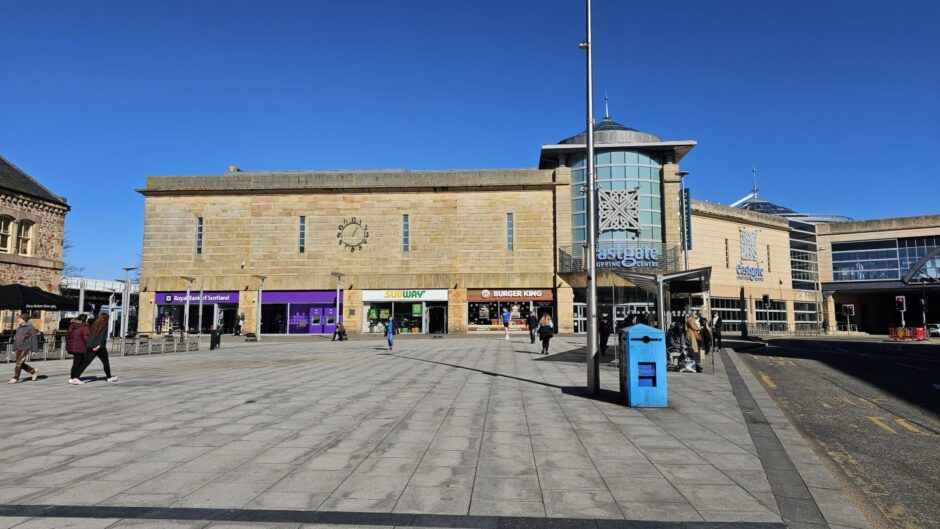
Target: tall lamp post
(126,301)
(685,229)
(339,277)
(260,278)
(189,289)
(593,369)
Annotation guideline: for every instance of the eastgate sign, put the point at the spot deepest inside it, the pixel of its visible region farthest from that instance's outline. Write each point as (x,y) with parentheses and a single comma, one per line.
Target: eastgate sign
(630,257)
(750,273)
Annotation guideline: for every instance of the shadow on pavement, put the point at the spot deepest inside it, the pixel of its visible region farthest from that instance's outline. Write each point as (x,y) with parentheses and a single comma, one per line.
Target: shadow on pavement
(352,518)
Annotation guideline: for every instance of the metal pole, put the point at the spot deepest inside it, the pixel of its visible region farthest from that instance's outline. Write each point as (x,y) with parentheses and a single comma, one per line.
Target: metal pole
(125,301)
(660,302)
(338,314)
(260,291)
(199,325)
(81,296)
(189,288)
(593,372)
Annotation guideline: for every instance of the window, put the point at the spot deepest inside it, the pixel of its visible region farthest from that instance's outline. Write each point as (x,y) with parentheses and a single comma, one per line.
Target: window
(771,317)
(727,256)
(24,237)
(730,311)
(5,223)
(302,243)
(405,234)
(806,315)
(198,235)
(768,259)
(509,237)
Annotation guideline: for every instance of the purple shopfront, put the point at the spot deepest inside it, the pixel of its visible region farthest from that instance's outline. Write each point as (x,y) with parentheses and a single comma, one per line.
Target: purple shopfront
(219,311)
(299,312)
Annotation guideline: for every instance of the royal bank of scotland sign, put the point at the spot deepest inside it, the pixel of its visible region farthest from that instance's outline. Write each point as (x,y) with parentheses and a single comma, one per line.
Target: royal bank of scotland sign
(619,210)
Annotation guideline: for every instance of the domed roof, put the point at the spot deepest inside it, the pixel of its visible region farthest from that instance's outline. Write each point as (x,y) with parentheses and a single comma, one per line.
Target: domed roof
(609,131)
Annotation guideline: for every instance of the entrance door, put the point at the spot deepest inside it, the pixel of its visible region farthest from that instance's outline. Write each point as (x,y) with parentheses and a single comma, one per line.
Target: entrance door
(329,320)
(437,319)
(316,320)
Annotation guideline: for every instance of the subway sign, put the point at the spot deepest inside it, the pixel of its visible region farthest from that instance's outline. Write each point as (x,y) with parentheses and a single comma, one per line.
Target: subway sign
(628,257)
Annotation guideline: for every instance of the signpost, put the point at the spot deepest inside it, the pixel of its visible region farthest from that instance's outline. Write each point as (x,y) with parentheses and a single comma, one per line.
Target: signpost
(849,311)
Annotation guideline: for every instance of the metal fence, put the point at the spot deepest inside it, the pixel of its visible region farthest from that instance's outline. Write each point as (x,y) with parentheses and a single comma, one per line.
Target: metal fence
(53,348)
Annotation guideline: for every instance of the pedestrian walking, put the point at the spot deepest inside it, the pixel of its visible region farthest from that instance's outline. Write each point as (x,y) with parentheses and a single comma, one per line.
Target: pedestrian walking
(506,317)
(546,331)
(391,329)
(25,341)
(716,330)
(76,344)
(692,330)
(706,335)
(532,322)
(604,330)
(98,346)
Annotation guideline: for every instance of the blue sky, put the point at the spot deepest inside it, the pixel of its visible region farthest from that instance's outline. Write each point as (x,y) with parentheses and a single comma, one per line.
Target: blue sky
(834,101)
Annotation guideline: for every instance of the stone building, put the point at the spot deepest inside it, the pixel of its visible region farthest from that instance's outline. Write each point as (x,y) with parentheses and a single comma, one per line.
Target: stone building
(32,231)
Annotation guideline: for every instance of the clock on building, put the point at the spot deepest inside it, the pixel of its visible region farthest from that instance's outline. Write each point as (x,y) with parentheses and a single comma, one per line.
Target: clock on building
(353,234)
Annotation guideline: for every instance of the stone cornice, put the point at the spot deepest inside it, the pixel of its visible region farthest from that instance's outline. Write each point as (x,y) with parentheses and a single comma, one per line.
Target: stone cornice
(37,262)
(891,224)
(709,209)
(23,201)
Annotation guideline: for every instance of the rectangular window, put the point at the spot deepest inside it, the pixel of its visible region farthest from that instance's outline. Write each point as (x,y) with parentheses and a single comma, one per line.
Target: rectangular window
(727,255)
(198,235)
(509,230)
(405,234)
(768,259)
(302,243)
(23,236)
(5,223)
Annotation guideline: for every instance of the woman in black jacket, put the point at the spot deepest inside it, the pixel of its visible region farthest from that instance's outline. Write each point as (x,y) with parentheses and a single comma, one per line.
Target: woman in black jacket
(545,332)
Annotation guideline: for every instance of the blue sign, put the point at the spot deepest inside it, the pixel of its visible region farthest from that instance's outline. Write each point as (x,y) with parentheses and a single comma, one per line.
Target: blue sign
(628,257)
(687,199)
(750,273)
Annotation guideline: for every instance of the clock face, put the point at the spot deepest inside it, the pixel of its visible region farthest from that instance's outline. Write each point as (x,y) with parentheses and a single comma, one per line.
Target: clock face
(353,234)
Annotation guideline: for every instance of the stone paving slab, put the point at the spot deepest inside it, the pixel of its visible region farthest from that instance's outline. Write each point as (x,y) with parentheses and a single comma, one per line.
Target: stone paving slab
(476,432)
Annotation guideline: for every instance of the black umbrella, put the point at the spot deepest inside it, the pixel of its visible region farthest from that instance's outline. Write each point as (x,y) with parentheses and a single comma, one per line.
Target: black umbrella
(21,297)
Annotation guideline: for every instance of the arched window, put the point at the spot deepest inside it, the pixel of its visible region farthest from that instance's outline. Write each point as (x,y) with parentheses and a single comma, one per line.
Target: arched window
(6,224)
(24,237)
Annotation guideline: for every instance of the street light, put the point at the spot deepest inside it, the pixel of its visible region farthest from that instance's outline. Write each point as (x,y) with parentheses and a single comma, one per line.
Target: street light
(685,229)
(126,301)
(593,368)
(189,289)
(339,277)
(260,291)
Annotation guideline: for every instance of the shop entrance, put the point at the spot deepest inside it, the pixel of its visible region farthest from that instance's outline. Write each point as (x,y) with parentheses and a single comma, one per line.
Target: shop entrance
(437,318)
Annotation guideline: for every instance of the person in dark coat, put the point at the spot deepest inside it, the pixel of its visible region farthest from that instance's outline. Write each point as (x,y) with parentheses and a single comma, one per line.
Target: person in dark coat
(546,331)
(98,346)
(603,328)
(25,341)
(532,322)
(391,329)
(716,330)
(76,344)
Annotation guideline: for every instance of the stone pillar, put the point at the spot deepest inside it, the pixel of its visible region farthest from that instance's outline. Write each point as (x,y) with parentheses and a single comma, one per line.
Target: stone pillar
(146,312)
(457,310)
(564,300)
(248,305)
(829,311)
(672,210)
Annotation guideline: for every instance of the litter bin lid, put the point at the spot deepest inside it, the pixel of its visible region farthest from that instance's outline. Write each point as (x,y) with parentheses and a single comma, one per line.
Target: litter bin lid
(639,330)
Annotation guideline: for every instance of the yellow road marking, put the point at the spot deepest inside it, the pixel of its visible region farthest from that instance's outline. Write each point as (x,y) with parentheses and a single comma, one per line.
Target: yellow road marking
(868,402)
(791,362)
(767,380)
(847,401)
(881,424)
(824,405)
(907,426)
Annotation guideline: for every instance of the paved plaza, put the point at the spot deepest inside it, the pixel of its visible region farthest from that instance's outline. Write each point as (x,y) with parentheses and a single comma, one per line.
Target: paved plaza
(457,432)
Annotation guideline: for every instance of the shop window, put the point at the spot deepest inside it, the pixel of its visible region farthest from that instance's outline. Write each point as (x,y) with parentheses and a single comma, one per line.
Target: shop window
(24,238)
(509,232)
(5,224)
(727,255)
(302,243)
(768,259)
(198,235)
(405,234)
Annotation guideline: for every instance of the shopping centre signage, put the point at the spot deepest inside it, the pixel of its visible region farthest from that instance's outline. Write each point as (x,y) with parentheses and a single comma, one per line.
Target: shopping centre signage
(404,295)
(750,273)
(510,294)
(628,257)
(749,253)
(208,298)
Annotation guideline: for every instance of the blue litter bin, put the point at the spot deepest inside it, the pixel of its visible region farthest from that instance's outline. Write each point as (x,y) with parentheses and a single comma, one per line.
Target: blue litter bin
(643,367)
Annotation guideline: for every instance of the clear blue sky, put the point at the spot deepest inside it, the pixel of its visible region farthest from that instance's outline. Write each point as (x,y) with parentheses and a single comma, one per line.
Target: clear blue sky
(835,102)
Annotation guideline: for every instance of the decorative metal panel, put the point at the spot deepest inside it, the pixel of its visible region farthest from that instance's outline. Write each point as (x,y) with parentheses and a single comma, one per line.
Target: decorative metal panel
(748,245)
(619,210)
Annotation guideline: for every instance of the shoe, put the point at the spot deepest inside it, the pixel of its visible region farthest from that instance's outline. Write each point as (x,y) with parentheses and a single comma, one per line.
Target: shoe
(76,382)
(14,381)
(112,379)
(35,375)
(72,381)
(507,338)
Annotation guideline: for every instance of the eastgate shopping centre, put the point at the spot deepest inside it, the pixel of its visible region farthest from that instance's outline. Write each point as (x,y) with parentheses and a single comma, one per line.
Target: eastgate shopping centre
(447,251)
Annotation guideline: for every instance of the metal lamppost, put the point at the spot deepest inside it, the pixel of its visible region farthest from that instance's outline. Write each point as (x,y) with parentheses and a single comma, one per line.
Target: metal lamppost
(126,301)
(593,369)
(189,289)
(339,277)
(685,229)
(261,278)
